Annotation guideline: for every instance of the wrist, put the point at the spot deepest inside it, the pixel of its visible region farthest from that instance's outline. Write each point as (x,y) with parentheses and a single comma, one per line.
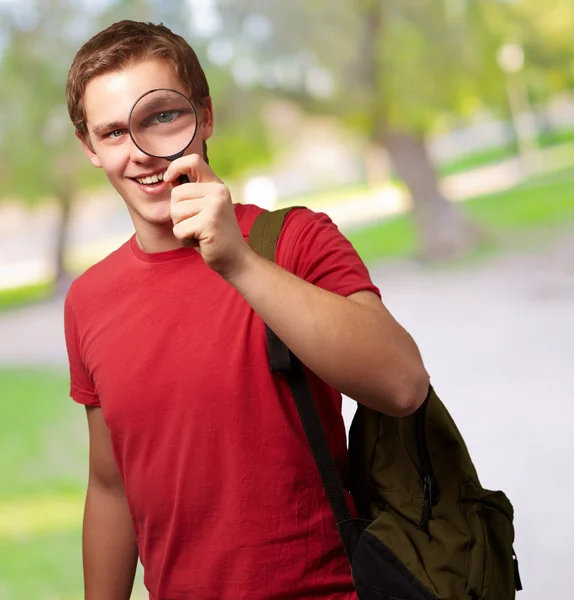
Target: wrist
(240,271)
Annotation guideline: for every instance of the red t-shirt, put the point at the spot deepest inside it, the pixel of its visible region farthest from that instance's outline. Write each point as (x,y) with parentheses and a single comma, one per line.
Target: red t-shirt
(224,495)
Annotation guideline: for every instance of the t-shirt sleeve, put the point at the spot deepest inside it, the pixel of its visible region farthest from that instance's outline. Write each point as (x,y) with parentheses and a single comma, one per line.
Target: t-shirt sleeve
(82,388)
(312,247)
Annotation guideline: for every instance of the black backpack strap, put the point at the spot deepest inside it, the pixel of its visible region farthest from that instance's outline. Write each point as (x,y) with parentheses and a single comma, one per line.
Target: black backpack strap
(263,239)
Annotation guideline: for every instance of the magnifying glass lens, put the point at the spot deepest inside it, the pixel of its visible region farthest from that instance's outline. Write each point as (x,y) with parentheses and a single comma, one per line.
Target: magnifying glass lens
(163,123)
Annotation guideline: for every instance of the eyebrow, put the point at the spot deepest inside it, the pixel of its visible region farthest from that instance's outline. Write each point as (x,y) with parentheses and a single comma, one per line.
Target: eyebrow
(103,128)
(158,101)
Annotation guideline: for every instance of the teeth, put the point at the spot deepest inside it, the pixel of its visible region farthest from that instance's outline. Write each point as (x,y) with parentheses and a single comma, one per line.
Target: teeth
(151,179)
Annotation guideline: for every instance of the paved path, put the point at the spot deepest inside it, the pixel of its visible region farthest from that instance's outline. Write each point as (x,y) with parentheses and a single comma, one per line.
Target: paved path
(498,340)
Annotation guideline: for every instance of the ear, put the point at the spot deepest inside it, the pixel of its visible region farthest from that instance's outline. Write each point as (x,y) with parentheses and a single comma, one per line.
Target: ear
(86,146)
(206,119)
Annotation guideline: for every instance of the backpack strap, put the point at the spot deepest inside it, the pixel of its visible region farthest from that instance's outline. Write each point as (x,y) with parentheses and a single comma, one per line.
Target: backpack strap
(265,231)
(263,239)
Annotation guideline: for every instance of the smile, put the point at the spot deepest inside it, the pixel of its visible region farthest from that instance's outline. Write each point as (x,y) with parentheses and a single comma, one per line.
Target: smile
(148,180)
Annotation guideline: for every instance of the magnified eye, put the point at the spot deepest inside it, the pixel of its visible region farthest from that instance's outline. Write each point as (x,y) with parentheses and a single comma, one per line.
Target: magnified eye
(167,117)
(162,123)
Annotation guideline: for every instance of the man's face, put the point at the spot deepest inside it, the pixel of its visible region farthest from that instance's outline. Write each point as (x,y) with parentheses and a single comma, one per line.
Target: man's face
(108,100)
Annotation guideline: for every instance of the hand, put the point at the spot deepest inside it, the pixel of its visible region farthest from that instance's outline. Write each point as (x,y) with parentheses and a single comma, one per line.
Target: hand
(204,217)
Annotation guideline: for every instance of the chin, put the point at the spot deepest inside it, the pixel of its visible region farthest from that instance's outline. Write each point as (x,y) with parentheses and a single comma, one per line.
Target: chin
(157,217)
(156,214)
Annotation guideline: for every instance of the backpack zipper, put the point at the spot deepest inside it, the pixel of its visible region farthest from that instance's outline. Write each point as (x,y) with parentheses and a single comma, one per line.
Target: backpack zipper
(430,486)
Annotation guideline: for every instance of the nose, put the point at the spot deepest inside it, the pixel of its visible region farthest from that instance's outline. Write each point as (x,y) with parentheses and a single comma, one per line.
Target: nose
(137,155)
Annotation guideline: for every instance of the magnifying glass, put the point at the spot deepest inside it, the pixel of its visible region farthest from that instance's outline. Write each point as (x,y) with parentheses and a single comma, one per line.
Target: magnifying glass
(162,124)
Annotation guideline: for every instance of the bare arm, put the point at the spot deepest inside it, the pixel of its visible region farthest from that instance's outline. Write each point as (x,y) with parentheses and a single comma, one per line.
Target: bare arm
(353,343)
(109,548)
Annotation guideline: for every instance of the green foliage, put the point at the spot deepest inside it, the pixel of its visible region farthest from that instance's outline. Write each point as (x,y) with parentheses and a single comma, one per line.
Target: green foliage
(40,156)
(544,29)
(36,141)
(406,59)
(407,63)
(240,141)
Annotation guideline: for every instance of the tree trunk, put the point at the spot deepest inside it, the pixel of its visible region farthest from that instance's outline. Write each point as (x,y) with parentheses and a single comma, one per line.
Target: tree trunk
(63,278)
(444,232)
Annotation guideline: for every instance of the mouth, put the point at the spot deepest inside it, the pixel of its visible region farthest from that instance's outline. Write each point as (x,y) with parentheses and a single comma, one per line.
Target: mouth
(152,184)
(151,179)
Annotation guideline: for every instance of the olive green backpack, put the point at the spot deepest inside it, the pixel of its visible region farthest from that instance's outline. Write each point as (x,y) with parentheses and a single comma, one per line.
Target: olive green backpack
(427,529)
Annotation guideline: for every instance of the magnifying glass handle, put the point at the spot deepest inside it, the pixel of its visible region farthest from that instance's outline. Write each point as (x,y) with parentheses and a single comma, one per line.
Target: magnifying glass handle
(183,179)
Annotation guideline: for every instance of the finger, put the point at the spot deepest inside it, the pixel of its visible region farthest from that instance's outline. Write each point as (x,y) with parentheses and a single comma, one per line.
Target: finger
(189,230)
(190,191)
(194,167)
(186,209)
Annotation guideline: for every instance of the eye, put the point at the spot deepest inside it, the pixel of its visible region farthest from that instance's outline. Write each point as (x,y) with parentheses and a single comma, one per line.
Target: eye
(115,134)
(167,117)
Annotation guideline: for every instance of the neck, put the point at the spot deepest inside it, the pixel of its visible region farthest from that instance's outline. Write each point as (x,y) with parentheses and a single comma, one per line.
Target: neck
(156,238)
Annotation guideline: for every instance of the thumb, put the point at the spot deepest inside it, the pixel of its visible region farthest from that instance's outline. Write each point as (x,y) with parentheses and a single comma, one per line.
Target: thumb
(192,165)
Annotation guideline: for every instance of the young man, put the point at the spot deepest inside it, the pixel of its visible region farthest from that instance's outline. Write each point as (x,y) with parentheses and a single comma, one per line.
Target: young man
(198,462)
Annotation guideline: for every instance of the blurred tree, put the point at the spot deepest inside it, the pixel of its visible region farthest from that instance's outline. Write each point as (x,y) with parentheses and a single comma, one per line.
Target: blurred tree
(40,157)
(241,141)
(394,70)
(544,31)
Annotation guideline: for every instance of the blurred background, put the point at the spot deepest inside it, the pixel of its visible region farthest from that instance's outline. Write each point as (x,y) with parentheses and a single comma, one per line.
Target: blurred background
(438,135)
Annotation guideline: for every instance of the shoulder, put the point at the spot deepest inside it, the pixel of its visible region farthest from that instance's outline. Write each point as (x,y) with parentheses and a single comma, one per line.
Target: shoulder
(96,279)
(302,219)
(306,234)
(303,230)
(299,220)
(312,247)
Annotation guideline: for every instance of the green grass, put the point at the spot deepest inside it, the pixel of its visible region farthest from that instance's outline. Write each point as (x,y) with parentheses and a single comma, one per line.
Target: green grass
(43,462)
(546,201)
(392,238)
(543,203)
(24,295)
(476,160)
(43,471)
(42,567)
(39,428)
(490,156)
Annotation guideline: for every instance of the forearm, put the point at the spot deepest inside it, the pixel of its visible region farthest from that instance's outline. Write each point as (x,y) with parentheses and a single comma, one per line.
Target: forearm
(109,548)
(358,349)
